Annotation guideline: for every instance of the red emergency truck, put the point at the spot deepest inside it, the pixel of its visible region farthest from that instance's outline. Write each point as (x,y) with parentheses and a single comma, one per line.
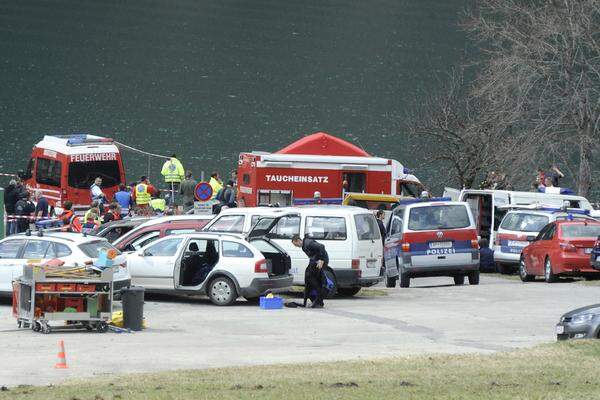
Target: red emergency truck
(64,167)
(318,163)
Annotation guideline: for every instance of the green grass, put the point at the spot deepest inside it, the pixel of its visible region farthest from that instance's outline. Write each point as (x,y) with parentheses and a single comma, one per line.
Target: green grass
(555,371)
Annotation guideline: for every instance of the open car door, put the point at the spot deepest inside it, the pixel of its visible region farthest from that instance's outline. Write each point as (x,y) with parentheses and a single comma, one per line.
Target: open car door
(265,225)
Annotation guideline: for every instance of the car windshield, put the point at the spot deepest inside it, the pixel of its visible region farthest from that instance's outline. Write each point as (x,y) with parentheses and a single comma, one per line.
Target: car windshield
(522,222)
(451,216)
(574,231)
(92,249)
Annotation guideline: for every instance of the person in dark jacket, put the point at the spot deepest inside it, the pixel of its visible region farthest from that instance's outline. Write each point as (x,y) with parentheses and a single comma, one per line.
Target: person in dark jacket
(486,257)
(314,277)
(11,196)
(380,217)
(24,209)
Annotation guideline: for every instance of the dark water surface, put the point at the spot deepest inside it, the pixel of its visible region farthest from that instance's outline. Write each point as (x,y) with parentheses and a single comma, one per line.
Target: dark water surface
(211,78)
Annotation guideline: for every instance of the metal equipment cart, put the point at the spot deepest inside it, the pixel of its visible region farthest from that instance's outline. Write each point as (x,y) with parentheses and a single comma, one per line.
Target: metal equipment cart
(42,296)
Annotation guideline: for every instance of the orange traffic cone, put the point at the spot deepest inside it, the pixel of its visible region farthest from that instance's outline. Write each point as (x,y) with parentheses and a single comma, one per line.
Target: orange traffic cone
(62,359)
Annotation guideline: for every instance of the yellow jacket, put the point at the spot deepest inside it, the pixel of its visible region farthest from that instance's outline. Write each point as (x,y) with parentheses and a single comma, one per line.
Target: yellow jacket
(173,171)
(216,186)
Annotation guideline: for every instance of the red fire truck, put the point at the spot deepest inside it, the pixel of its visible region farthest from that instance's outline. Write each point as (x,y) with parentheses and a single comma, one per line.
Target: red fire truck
(64,167)
(318,163)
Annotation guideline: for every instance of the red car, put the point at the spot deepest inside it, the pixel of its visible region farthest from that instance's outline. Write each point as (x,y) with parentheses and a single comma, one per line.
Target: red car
(157,228)
(562,248)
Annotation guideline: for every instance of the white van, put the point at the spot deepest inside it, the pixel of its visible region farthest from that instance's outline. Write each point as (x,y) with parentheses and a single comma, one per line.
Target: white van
(350,235)
(490,206)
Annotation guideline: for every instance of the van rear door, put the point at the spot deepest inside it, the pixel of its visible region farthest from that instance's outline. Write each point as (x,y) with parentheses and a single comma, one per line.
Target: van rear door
(369,245)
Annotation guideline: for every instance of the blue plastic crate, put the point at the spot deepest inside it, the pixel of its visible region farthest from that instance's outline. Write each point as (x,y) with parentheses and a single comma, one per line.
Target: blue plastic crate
(273,303)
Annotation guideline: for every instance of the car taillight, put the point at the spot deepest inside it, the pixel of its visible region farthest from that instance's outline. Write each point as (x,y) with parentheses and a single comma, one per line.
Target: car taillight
(474,244)
(355,263)
(405,247)
(260,266)
(567,247)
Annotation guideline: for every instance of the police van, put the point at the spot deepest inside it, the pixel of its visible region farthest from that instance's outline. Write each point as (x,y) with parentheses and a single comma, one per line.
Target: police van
(431,237)
(64,167)
(520,226)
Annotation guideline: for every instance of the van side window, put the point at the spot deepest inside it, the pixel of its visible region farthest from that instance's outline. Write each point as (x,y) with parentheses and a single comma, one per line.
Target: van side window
(48,172)
(366,227)
(396,226)
(326,228)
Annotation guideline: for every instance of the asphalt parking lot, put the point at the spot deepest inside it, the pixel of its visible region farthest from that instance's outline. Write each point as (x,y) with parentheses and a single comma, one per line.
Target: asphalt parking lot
(431,317)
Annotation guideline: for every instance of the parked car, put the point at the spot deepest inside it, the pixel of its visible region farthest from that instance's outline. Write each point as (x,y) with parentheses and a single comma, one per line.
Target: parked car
(595,256)
(518,229)
(350,235)
(222,266)
(582,323)
(115,229)
(431,237)
(72,248)
(562,248)
(156,228)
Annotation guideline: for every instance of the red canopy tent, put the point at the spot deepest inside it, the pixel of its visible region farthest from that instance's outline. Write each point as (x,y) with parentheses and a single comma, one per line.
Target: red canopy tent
(321,143)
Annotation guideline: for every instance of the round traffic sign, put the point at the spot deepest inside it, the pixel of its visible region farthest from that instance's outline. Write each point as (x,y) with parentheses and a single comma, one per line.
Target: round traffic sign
(203,191)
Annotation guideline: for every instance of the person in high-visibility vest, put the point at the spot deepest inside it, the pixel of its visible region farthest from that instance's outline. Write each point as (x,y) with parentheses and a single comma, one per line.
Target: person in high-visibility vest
(143,192)
(173,173)
(215,183)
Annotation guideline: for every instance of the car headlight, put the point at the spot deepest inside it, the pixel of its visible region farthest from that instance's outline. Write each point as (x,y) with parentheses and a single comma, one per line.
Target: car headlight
(582,318)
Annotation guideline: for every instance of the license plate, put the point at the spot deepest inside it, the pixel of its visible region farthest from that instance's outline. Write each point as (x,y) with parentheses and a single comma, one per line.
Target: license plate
(560,329)
(588,250)
(439,245)
(517,243)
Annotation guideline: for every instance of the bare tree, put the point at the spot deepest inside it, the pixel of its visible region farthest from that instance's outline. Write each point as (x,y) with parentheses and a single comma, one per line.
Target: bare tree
(459,138)
(542,74)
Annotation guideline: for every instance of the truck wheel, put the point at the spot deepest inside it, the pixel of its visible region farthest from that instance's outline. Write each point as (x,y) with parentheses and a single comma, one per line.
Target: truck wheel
(391,282)
(474,278)
(348,291)
(221,291)
(404,280)
(459,280)
(525,277)
(549,276)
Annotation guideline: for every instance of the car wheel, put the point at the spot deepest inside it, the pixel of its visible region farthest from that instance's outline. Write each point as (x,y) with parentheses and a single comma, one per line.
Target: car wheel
(348,291)
(525,277)
(474,278)
(221,291)
(549,276)
(391,282)
(331,276)
(459,280)
(404,280)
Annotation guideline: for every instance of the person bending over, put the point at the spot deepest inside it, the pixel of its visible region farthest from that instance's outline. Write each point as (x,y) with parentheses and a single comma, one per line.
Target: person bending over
(314,276)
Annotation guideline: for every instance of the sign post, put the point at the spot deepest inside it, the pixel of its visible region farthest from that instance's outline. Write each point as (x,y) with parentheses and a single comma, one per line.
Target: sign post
(203,194)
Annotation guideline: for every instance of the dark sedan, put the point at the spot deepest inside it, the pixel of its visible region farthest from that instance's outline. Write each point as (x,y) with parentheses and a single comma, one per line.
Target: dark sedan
(582,323)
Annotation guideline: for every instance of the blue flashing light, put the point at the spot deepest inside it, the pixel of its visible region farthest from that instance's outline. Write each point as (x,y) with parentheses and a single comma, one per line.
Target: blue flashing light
(570,217)
(77,138)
